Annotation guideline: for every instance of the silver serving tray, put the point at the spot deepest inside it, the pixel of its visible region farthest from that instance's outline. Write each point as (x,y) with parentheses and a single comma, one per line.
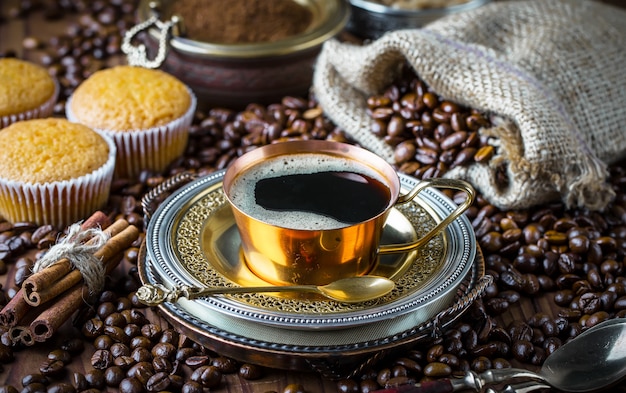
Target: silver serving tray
(326,351)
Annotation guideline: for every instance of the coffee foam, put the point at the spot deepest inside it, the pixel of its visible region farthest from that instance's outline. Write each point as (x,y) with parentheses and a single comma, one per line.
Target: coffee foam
(242,188)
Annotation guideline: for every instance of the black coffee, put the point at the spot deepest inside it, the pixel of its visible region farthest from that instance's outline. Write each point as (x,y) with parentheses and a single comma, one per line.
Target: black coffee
(310,191)
(347,197)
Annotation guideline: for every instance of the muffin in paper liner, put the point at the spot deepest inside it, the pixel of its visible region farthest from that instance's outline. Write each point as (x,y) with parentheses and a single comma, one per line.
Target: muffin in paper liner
(42,111)
(147,112)
(147,149)
(59,203)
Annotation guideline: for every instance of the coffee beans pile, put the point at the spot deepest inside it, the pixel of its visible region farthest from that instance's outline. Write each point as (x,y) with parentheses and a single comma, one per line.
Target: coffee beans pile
(131,355)
(430,135)
(569,261)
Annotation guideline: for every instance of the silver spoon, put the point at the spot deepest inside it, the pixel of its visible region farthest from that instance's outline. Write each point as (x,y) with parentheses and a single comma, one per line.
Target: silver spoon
(347,290)
(536,380)
(594,360)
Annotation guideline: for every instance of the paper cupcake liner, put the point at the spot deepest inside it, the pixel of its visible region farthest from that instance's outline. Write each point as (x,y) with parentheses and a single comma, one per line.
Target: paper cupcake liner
(59,203)
(150,149)
(42,111)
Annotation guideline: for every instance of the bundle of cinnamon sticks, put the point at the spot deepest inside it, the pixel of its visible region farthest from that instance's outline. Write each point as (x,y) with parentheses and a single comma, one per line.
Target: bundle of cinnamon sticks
(49,297)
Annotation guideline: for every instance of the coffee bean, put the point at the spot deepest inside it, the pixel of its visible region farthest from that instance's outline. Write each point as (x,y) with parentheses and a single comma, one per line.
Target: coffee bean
(52,368)
(61,355)
(411,365)
(158,382)
(101,359)
(132,331)
(161,364)
(119,349)
(130,385)
(208,376)
(140,342)
(117,334)
(169,336)
(124,362)
(165,350)
(589,303)
(95,378)
(60,387)
(596,318)
(115,319)
(250,371)
(191,387)
(113,376)
(35,378)
(225,365)
(522,350)
(79,381)
(437,369)
(142,371)
(73,346)
(151,331)
(347,386)
(141,354)
(451,360)
(103,341)
(481,364)
(93,328)
(24,265)
(34,388)
(435,352)
(196,361)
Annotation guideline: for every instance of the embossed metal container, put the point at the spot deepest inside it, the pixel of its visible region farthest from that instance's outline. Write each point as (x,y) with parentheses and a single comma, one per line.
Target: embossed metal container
(370,19)
(234,75)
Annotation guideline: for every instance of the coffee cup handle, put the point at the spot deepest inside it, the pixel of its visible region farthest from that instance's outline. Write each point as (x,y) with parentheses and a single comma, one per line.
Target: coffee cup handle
(455,184)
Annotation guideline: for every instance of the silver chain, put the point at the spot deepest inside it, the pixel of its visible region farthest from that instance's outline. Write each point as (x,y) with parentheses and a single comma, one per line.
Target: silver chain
(137,55)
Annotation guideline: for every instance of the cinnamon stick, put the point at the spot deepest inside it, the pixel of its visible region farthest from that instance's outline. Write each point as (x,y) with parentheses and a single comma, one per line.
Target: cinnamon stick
(98,219)
(14,310)
(47,323)
(44,326)
(21,334)
(50,282)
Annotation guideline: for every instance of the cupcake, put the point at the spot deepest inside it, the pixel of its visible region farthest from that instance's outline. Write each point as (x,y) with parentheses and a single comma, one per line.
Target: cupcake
(53,171)
(147,112)
(27,91)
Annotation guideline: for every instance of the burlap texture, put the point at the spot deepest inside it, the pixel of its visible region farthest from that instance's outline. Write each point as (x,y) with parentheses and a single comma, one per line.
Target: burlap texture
(553,71)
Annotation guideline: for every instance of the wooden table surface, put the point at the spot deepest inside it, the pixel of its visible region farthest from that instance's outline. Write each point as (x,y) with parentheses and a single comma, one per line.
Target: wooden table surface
(12,33)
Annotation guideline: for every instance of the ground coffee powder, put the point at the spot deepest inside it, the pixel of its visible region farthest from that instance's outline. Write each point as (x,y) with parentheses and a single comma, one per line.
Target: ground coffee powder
(242,21)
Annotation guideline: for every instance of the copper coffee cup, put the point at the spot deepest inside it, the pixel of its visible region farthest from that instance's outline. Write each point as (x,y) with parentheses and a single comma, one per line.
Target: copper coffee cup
(286,255)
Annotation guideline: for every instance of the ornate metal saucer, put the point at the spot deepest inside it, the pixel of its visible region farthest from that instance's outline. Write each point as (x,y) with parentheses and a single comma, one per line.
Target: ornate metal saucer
(192,240)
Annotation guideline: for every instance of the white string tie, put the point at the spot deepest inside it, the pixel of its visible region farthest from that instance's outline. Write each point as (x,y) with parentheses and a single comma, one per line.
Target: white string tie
(74,248)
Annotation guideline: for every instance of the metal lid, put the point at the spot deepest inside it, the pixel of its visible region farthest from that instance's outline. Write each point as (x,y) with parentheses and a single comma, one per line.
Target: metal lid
(329,18)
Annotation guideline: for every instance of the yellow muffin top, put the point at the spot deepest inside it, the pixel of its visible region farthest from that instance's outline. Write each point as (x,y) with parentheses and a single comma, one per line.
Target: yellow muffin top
(125,98)
(48,150)
(23,86)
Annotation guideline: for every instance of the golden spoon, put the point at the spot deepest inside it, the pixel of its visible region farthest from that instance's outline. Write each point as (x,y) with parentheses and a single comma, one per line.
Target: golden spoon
(346,290)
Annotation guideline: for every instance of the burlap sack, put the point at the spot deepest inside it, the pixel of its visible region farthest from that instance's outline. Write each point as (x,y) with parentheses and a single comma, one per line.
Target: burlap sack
(553,70)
